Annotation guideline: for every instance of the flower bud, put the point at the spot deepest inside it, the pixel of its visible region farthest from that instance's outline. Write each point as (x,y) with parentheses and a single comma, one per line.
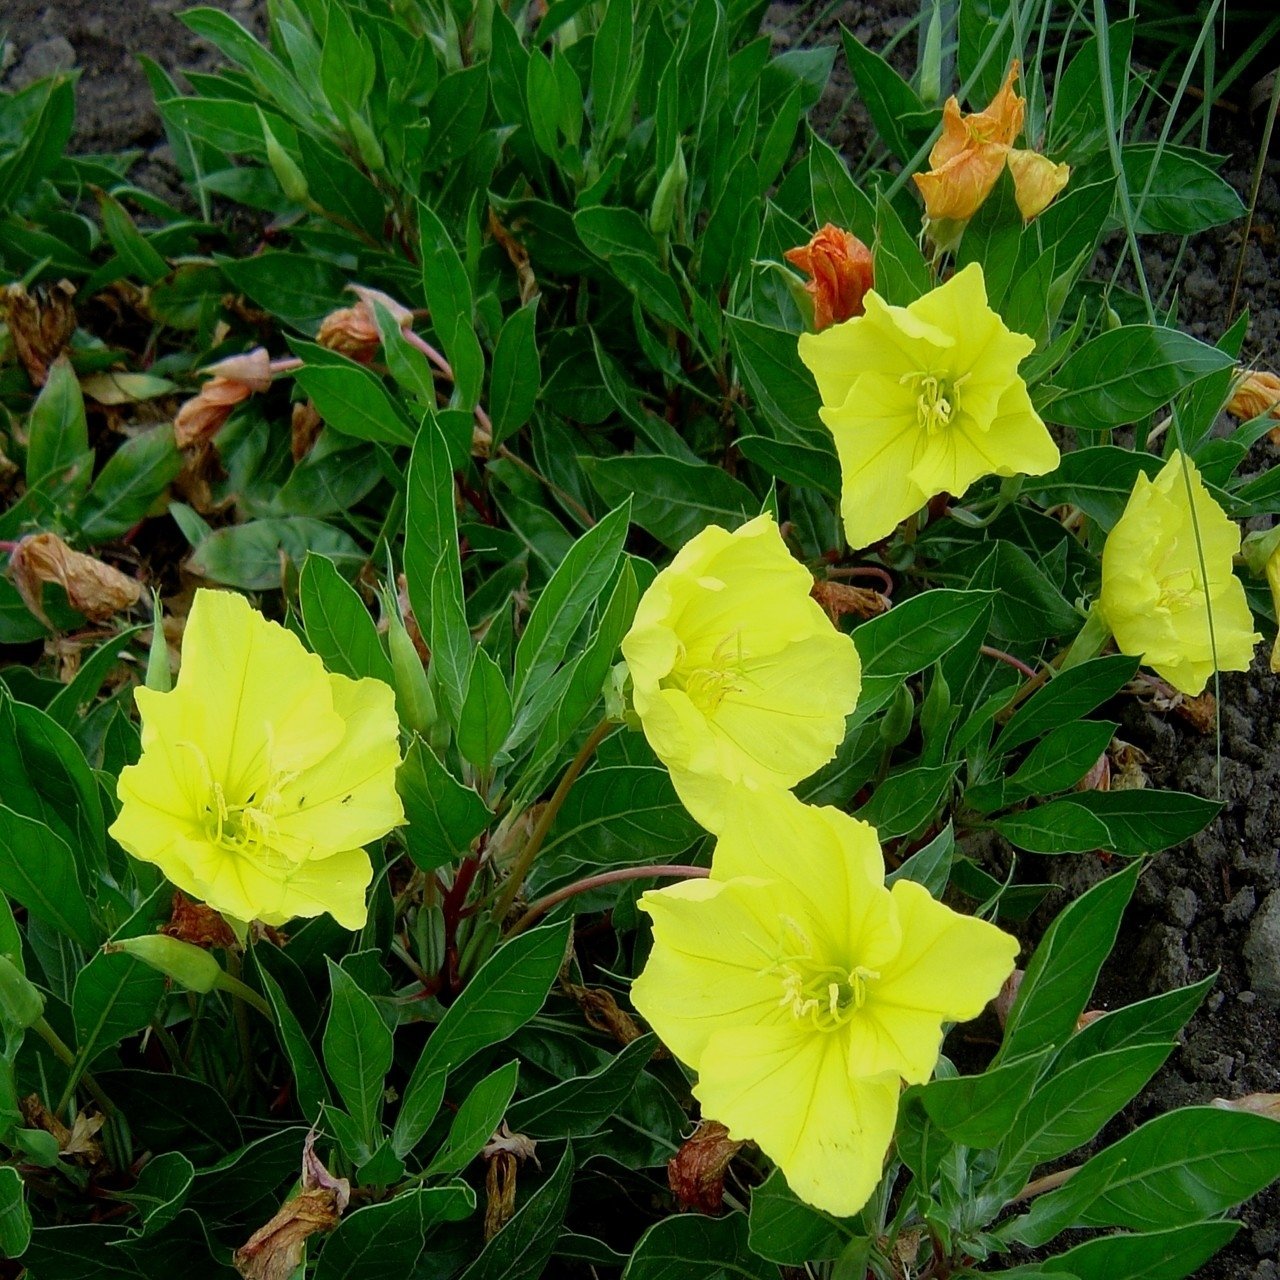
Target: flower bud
(841,271)
(189,966)
(897,719)
(1257,392)
(366,142)
(292,180)
(414,700)
(1037,181)
(159,677)
(669,195)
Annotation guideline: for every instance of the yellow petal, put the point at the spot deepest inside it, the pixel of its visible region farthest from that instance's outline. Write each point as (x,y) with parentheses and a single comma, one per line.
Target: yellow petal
(948,967)
(245,674)
(713,944)
(830,860)
(1037,181)
(335,884)
(790,1092)
(349,798)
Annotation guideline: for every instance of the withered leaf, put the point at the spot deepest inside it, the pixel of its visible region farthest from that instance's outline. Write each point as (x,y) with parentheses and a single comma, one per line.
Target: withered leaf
(696,1172)
(93,588)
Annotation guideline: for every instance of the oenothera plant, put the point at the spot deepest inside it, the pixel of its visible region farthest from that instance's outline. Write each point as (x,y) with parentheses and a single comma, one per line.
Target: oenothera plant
(593,548)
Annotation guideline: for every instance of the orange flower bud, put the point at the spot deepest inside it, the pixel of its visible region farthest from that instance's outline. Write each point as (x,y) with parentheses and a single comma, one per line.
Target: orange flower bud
(233,380)
(1037,181)
(840,270)
(354,330)
(966,160)
(1257,392)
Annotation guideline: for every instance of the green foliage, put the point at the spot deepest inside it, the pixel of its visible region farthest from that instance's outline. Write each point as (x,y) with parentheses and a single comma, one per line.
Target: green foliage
(584,207)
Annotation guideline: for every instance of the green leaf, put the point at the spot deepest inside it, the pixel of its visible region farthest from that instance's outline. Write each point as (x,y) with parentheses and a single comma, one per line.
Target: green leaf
(1125,374)
(128,486)
(248,555)
(161,1190)
(1068,1110)
(357,1050)
(836,197)
(784,392)
(444,816)
(136,254)
(507,991)
(1182,1167)
(612,70)
(565,600)
(902,274)
(517,374)
(388,1239)
(687,1245)
(930,866)
(1027,606)
(1062,973)
(1067,697)
(38,870)
(15,1217)
(901,120)
(1184,194)
(977,1111)
(906,799)
(1098,480)
(449,299)
(787,1231)
(914,635)
(1150,1021)
(339,627)
(45,113)
(672,500)
(798,464)
(1058,761)
(476,1120)
(298,288)
(58,433)
(351,398)
(486,713)
(621,813)
(115,995)
(421,1105)
(1153,1255)
(521,1250)
(309,1087)
(577,1107)
(1129,823)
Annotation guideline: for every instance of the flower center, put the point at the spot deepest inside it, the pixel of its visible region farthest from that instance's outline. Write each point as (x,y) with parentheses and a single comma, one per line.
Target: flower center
(936,400)
(1179,590)
(707,686)
(246,826)
(825,996)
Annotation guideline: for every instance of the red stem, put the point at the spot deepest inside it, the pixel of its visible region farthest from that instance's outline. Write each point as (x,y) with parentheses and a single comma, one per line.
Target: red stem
(1016,663)
(598,881)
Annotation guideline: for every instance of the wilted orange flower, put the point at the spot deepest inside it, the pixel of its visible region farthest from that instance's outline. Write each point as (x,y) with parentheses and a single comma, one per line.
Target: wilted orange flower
(840,270)
(231,381)
(1257,392)
(1037,181)
(354,330)
(966,160)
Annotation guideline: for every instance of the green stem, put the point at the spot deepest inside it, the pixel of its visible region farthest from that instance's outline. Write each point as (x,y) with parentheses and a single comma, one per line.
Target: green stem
(64,1054)
(548,815)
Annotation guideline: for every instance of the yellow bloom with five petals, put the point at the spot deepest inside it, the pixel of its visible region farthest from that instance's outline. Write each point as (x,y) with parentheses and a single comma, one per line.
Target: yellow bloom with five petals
(923,400)
(262,775)
(802,990)
(1164,572)
(723,653)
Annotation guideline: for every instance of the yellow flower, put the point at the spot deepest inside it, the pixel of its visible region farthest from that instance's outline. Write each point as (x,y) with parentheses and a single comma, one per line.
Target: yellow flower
(966,160)
(923,400)
(802,991)
(1273,581)
(1037,181)
(262,775)
(739,678)
(1154,588)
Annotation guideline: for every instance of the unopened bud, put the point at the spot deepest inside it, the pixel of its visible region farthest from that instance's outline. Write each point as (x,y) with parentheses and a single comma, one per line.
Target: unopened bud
(159,677)
(366,142)
(669,195)
(897,720)
(414,700)
(189,966)
(293,182)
